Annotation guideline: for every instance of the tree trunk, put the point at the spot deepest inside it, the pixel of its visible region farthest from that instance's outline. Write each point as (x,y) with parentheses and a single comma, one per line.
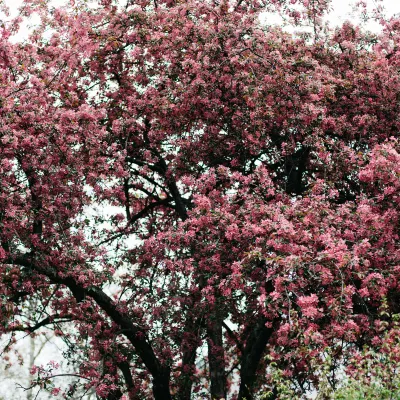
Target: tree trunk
(189,346)
(254,350)
(216,359)
(161,386)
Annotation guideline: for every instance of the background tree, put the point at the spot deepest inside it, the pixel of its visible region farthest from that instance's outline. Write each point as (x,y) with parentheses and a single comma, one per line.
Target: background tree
(191,192)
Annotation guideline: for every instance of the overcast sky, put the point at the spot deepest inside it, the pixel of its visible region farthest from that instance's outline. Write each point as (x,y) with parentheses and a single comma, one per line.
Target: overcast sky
(342,9)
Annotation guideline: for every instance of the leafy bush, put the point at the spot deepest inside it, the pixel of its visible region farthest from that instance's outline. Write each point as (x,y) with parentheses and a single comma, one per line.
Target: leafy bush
(370,374)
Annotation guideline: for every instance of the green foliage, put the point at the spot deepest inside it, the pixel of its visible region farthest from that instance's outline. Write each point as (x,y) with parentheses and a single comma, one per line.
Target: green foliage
(356,391)
(372,374)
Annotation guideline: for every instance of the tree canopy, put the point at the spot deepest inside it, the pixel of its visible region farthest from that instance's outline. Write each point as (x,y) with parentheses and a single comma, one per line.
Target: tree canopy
(193,196)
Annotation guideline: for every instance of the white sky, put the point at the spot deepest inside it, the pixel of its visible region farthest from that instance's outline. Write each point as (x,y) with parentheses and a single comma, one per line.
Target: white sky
(342,9)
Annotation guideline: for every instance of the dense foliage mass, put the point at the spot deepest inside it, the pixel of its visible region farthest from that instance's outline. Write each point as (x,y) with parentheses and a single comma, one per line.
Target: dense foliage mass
(193,197)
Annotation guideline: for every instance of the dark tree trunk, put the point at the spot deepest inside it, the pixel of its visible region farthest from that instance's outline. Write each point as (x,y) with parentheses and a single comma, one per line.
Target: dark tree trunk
(253,351)
(295,166)
(161,386)
(216,359)
(189,346)
(114,395)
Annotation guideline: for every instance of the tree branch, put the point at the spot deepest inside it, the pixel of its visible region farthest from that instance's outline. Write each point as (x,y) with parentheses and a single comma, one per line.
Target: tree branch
(142,213)
(233,337)
(136,335)
(46,321)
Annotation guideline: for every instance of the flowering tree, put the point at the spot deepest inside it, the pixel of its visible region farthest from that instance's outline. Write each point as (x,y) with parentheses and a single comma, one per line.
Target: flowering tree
(190,195)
